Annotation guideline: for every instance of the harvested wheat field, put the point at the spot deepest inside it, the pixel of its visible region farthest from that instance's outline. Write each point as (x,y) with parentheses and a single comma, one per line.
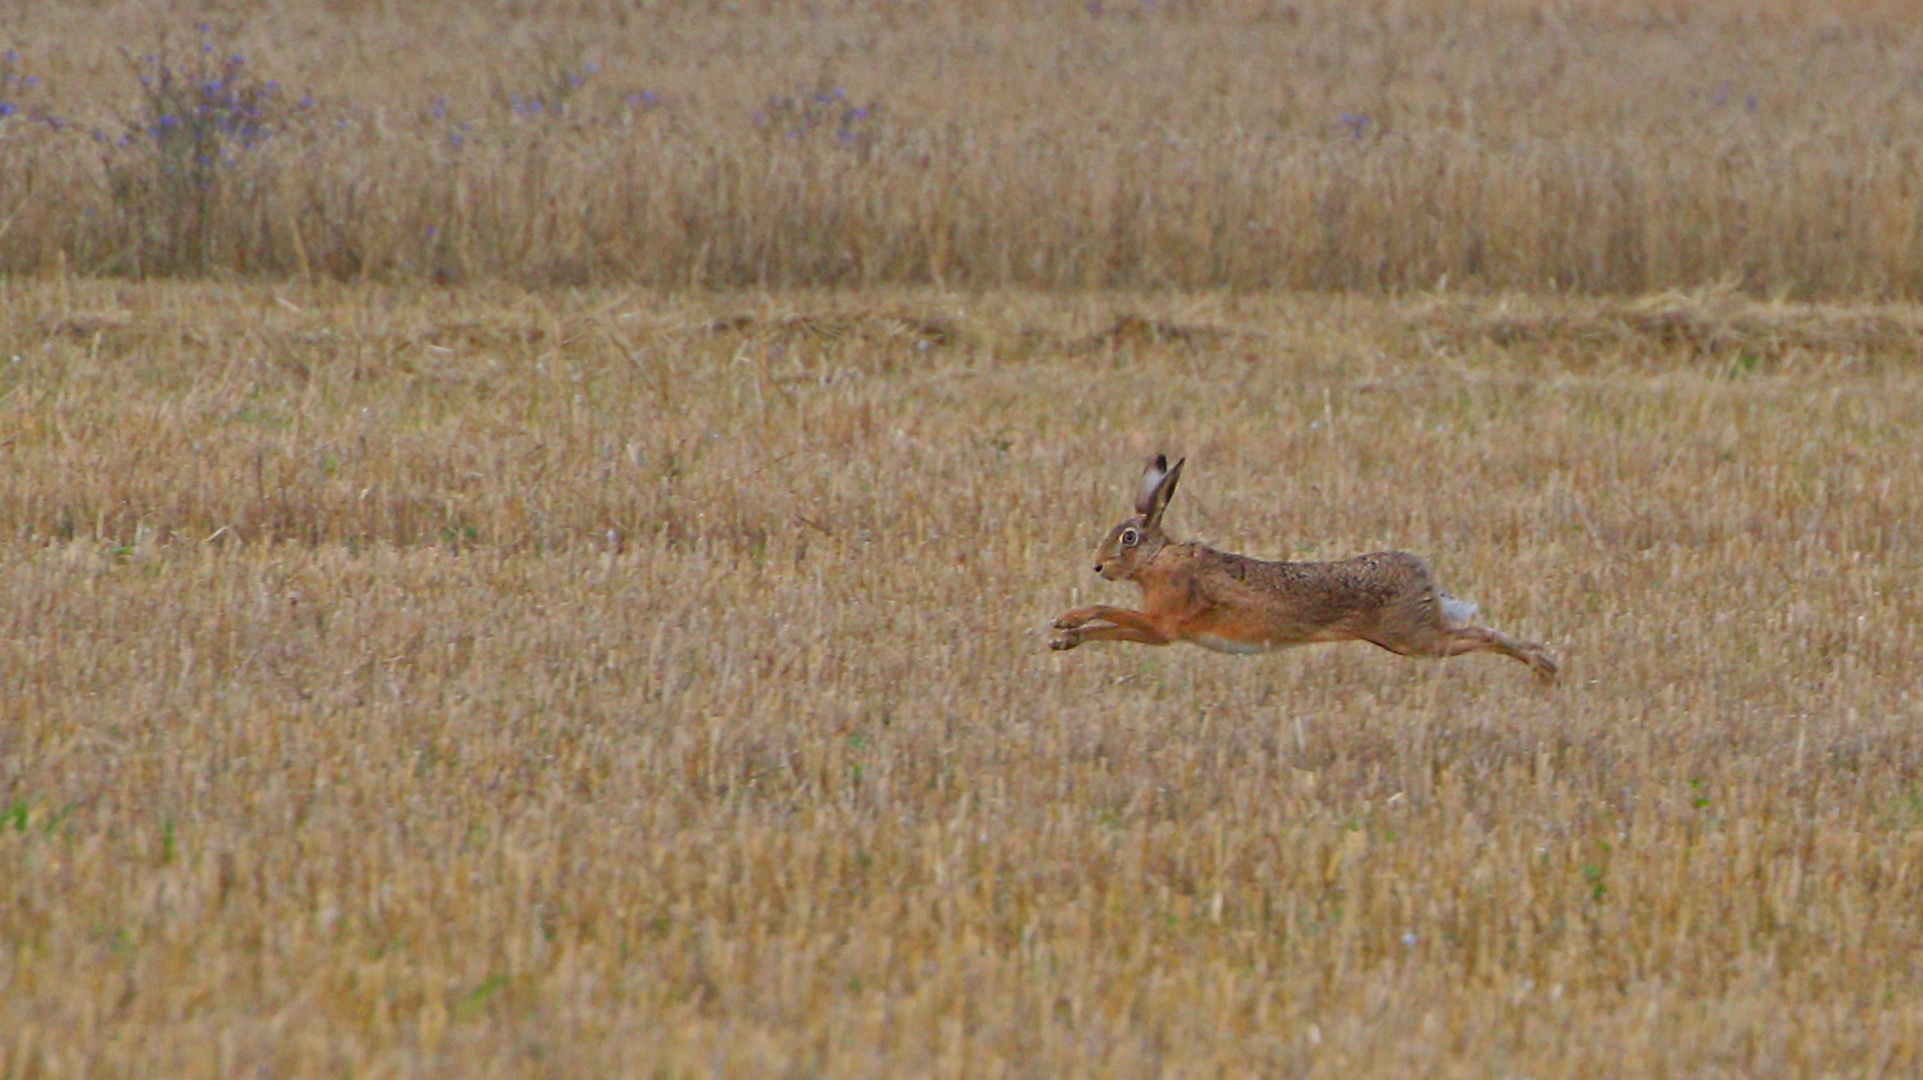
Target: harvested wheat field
(529,533)
(415,682)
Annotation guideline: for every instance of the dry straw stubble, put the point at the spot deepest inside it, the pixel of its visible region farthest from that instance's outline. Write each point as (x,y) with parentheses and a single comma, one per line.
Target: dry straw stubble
(476,681)
(499,683)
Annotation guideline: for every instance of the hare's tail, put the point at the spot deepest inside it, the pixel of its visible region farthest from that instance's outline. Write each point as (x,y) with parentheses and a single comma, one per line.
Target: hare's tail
(1458,612)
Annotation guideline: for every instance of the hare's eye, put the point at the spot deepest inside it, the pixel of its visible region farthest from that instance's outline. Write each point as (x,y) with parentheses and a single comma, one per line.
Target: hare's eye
(1130,538)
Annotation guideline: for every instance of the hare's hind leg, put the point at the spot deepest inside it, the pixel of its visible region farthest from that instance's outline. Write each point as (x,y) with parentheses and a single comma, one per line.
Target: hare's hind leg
(1431,639)
(1467,639)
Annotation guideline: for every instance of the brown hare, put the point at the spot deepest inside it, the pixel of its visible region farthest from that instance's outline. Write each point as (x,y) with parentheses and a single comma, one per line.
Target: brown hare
(1235,604)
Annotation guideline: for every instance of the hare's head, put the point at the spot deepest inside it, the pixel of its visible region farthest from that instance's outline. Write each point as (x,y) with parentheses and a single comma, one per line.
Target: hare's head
(1134,542)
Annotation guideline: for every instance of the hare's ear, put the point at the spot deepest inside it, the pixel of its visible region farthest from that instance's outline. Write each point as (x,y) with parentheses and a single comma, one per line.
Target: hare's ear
(1158,486)
(1151,483)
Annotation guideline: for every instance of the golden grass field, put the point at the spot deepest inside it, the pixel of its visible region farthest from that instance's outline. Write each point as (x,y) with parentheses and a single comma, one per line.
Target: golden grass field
(1392,145)
(477,682)
(527,545)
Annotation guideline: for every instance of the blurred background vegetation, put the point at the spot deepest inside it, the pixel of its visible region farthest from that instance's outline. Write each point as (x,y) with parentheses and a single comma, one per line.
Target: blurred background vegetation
(1241,144)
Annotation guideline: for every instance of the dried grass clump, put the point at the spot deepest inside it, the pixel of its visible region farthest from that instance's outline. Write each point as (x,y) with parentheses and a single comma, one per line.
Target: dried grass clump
(1717,324)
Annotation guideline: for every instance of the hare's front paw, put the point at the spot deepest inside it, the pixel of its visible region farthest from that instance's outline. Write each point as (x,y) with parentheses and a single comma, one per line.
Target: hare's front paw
(1069,620)
(1065,642)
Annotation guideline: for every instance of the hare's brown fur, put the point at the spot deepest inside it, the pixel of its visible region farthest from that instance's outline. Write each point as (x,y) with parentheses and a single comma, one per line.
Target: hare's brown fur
(1232,603)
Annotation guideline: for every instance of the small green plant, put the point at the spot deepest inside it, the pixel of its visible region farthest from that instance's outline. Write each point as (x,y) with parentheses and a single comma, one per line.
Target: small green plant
(1596,873)
(1593,874)
(471,1006)
(1697,799)
(1907,814)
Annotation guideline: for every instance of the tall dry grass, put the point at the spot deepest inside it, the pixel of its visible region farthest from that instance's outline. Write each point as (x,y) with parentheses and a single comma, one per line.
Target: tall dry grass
(470,682)
(1600,148)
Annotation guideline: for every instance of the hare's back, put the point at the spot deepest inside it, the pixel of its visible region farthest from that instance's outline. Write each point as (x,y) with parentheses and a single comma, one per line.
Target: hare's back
(1326,591)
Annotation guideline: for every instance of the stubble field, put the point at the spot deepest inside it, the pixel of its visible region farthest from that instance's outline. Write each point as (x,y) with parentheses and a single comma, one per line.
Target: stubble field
(528,533)
(488,683)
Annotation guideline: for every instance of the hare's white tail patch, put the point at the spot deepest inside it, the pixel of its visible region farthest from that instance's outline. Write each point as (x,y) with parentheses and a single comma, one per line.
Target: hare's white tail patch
(1458,611)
